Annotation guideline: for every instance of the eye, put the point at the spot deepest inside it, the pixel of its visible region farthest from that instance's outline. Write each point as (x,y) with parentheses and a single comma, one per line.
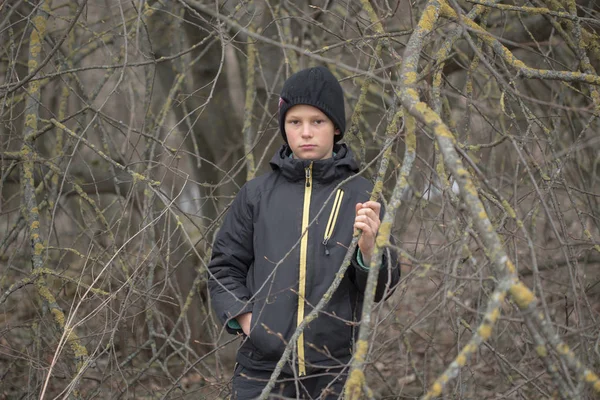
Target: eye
(293,121)
(319,121)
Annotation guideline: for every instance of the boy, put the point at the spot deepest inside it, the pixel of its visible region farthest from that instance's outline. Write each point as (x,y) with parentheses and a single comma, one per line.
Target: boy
(267,271)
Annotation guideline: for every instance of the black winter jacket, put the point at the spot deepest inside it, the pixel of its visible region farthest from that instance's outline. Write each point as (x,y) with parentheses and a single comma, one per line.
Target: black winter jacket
(261,262)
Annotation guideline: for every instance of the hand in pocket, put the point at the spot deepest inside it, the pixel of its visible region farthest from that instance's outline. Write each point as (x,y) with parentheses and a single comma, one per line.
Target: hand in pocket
(245,320)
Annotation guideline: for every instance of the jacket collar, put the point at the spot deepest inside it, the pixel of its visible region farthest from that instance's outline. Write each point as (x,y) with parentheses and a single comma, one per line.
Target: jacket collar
(340,165)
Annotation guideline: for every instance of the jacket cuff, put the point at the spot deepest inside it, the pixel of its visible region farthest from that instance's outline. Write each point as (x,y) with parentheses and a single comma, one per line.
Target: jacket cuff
(361,264)
(234,324)
(231,324)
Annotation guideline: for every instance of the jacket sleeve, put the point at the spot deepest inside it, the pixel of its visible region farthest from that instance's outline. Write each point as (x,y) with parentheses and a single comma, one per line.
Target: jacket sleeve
(389,274)
(232,256)
(389,271)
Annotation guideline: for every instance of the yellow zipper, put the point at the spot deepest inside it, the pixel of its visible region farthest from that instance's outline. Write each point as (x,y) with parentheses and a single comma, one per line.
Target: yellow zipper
(302,269)
(335,210)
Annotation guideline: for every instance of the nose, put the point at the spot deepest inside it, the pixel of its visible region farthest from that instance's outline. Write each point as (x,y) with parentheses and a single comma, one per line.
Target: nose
(306,131)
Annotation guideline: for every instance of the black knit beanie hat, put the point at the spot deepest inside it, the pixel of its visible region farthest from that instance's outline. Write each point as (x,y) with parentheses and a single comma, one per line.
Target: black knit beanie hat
(316,87)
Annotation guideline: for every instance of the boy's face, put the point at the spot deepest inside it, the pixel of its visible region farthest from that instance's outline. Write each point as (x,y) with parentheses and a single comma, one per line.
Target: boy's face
(309,132)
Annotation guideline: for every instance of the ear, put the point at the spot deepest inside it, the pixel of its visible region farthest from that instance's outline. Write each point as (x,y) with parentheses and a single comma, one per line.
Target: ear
(336,132)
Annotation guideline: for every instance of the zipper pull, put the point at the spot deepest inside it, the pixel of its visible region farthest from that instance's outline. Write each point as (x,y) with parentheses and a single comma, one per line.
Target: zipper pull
(326,248)
(307,170)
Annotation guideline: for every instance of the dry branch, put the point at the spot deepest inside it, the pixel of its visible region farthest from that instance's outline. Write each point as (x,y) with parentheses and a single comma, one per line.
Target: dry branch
(508,281)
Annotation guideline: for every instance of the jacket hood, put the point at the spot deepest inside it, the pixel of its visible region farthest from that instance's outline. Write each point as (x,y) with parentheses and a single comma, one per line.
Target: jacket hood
(339,166)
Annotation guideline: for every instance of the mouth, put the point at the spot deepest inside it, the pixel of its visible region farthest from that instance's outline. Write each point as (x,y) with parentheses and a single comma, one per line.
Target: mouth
(307,146)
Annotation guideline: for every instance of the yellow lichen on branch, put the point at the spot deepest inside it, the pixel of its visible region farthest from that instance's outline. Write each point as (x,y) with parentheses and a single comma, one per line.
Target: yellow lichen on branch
(37,34)
(521,295)
(592,379)
(356,379)
(508,281)
(30,208)
(508,56)
(248,106)
(485,331)
(429,17)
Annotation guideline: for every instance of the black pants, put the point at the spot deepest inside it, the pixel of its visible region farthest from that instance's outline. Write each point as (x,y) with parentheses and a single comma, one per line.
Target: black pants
(327,383)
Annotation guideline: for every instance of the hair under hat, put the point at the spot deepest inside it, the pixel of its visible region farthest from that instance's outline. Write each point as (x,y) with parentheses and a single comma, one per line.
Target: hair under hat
(315,87)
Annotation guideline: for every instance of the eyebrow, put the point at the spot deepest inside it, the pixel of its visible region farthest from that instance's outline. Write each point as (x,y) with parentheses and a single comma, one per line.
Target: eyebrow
(291,115)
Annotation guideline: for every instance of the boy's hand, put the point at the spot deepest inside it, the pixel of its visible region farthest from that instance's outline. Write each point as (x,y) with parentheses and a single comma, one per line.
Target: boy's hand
(367,220)
(244,320)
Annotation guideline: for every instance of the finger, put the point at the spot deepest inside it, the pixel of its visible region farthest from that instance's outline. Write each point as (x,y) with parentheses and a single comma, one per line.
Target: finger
(367,230)
(367,239)
(373,210)
(373,205)
(371,220)
(367,219)
(369,212)
(359,207)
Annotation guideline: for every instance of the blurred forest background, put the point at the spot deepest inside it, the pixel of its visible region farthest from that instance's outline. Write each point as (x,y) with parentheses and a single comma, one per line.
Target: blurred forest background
(127,126)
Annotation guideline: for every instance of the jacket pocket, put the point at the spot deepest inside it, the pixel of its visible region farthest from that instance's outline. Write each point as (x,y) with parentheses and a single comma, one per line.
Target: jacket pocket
(265,332)
(254,329)
(333,217)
